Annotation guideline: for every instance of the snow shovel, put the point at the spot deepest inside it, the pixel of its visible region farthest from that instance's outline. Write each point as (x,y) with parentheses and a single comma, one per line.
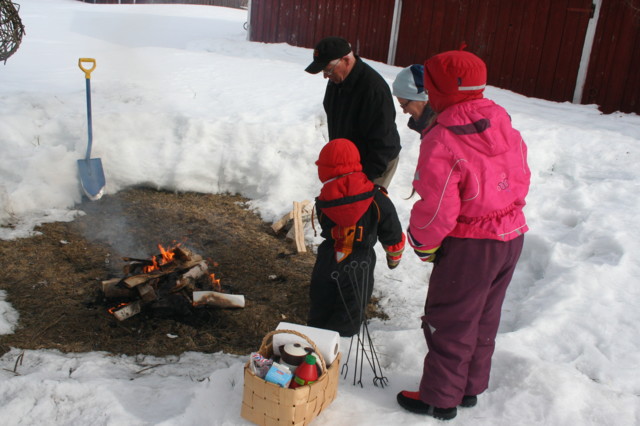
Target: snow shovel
(90,169)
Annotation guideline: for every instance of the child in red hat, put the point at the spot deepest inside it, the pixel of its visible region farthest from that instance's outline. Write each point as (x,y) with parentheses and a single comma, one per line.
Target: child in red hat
(354,214)
(472,177)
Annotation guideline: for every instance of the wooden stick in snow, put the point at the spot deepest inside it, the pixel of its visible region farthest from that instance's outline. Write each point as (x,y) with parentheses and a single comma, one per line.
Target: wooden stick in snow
(298,226)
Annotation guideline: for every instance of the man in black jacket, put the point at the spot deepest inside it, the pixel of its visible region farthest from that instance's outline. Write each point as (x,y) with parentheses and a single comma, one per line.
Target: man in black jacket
(359,107)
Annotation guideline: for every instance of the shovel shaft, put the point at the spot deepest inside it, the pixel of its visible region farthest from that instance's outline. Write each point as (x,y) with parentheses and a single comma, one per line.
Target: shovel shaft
(87,74)
(89,125)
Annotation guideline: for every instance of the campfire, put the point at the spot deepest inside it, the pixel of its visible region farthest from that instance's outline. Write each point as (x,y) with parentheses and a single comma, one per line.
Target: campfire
(174,282)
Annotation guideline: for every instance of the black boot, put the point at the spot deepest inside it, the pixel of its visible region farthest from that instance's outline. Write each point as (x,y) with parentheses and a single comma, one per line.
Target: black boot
(410,401)
(469,401)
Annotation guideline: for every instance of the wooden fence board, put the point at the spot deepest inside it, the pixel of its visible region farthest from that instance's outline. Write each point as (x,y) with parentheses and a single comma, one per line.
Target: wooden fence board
(526,47)
(496,55)
(631,98)
(470,24)
(410,19)
(603,52)
(513,43)
(570,50)
(620,62)
(533,50)
(550,48)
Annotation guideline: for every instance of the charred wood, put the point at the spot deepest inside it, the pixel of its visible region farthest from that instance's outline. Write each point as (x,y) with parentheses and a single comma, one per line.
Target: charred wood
(115,289)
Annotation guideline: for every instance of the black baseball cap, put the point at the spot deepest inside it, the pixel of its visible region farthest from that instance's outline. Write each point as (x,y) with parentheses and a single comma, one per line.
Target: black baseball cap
(327,50)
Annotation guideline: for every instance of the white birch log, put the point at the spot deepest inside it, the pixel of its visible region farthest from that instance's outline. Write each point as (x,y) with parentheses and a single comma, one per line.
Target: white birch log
(128,311)
(188,279)
(298,225)
(220,300)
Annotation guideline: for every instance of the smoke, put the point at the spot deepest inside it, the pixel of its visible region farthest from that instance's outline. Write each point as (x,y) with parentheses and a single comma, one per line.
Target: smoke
(5,207)
(108,224)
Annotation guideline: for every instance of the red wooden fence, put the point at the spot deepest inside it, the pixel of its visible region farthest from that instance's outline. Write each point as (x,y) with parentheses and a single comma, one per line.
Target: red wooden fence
(613,79)
(237,4)
(365,23)
(533,48)
(530,47)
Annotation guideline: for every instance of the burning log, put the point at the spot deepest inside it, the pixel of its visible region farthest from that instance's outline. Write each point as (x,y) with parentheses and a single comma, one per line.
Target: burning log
(127,310)
(185,255)
(136,280)
(166,269)
(176,280)
(189,278)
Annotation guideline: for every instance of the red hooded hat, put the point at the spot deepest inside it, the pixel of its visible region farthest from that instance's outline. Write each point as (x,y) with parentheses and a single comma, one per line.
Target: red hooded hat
(453,77)
(340,170)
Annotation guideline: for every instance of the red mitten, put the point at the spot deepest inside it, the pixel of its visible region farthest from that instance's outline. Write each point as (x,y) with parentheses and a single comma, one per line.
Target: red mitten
(394,252)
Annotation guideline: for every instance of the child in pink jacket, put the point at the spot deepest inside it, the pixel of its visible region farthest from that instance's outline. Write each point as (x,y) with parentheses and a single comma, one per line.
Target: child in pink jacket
(472,178)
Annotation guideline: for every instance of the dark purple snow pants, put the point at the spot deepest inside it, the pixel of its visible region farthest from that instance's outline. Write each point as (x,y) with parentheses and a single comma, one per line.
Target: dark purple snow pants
(462,313)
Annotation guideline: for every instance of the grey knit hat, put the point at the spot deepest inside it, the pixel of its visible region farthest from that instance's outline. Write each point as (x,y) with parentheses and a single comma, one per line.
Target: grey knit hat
(409,84)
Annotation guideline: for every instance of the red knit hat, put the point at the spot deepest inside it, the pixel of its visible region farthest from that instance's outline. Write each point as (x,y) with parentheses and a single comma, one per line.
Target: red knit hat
(338,157)
(453,77)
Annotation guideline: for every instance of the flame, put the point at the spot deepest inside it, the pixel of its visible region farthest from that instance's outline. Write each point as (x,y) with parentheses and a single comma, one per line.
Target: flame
(165,257)
(215,282)
(150,268)
(115,308)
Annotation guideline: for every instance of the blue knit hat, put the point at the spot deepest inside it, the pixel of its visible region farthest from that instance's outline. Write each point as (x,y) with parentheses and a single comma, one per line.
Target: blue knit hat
(409,84)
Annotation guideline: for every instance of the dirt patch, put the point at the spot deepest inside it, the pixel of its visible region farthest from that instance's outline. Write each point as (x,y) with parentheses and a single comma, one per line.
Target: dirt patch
(53,280)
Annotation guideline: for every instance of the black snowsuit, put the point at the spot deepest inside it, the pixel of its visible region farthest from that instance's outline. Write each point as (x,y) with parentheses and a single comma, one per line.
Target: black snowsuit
(340,290)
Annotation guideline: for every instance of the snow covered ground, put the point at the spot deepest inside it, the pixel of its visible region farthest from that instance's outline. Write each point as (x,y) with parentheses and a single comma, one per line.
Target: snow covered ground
(183,102)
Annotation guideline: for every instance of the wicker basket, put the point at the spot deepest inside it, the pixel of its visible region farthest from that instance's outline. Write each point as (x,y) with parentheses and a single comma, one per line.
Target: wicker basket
(268,404)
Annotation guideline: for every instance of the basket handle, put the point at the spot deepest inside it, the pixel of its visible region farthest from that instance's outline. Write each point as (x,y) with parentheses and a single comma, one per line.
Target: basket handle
(269,336)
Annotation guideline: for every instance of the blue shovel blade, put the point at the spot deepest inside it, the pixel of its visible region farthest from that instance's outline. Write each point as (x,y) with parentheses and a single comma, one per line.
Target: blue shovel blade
(92,178)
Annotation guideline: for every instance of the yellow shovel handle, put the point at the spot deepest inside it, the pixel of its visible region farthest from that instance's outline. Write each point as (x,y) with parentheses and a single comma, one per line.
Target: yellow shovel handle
(87,71)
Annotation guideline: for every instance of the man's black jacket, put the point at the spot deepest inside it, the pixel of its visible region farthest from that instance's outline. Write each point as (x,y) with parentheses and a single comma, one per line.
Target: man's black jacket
(361,109)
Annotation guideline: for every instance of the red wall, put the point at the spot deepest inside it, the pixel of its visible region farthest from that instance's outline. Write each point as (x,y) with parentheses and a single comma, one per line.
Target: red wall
(366,24)
(530,47)
(613,79)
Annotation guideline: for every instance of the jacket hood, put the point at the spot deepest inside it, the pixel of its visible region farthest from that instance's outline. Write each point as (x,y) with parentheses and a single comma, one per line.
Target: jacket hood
(346,192)
(453,77)
(338,157)
(477,123)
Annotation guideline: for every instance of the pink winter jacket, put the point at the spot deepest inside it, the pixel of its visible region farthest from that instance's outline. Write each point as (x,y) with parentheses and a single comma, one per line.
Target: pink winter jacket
(472,177)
